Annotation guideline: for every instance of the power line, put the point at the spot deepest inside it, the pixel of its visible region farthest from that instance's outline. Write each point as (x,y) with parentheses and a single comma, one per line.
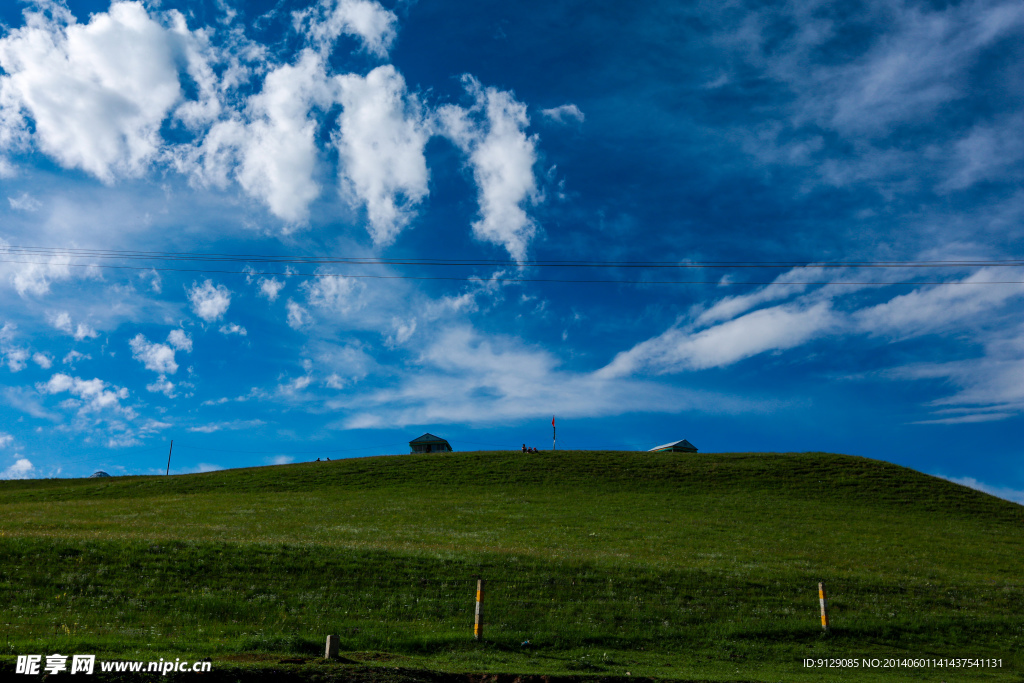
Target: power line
(558,263)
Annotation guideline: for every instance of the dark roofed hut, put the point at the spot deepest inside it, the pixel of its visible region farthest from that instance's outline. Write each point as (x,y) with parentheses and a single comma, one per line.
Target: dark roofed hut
(683,446)
(428,443)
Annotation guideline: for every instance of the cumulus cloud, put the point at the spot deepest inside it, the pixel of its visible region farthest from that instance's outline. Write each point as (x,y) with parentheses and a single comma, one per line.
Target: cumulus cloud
(14,356)
(21,469)
(270,288)
(97,93)
(42,360)
(5,440)
(210,302)
(564,114)
(180,340)
(271,149)
(62,322)
(162,386)
(380,139)
(324,22)
(233,328)
(160,357)
(156,357)
(502,156)
(94,393)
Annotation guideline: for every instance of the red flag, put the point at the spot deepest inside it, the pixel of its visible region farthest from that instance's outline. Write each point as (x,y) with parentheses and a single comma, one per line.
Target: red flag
(552,420)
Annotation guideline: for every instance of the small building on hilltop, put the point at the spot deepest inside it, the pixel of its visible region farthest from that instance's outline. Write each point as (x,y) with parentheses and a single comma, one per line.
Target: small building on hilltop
(98,473)
(428,443)
(683,446)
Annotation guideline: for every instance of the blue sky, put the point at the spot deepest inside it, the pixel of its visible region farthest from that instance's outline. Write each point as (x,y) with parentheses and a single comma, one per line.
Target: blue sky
(887,134)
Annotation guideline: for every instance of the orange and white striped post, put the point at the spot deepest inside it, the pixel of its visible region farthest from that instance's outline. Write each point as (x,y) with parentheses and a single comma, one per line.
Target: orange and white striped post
(824,606)
(478,624)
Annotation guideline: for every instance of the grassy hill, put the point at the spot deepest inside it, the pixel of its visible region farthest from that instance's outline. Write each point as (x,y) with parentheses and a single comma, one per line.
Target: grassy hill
(661,565)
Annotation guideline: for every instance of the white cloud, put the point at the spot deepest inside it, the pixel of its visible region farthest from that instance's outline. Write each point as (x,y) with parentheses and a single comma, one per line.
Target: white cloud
(490,380)
(162,386)
(278,147)
(270,288)
(987,152)
(333,292)
(160,357)
(5,440)
(24,202)
(35,276)
(209,302)
(328,19)
(98,93)
(502,157)
(730,307)
(988,388)
(282,460)
(932,309)
(297,315)
(564,113)
(156,357)
(233,328)
(94,392)
(768,329)
(15,357)
(42,360)
(75,356)
(180,340)
(21,469)
(922,64)
(62,322)
(84,331)
(232,425)
(1006,493)
(403,331)
(155,281)
(380,139)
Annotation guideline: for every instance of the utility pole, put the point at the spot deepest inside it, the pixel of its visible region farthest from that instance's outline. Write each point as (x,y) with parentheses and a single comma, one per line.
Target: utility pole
(169,457)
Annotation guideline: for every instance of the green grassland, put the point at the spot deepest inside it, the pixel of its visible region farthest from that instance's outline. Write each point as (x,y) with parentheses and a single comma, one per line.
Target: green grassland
(671,566)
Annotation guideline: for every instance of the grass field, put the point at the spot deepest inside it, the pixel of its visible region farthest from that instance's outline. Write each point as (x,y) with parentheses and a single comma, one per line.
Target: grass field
(671,566)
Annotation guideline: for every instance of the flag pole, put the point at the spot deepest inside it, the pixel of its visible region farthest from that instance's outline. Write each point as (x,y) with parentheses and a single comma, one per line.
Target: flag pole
(554,441)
